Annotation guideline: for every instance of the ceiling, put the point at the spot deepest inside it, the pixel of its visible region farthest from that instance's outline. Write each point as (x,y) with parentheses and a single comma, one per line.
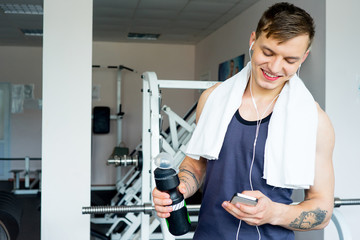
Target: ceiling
(177,21)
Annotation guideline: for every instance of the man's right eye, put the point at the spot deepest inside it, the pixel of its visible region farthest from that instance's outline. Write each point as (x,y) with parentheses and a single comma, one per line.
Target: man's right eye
(267,54)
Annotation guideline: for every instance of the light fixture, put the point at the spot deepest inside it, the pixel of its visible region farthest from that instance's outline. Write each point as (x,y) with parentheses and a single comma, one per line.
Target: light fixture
(8,8)
(143,36)
(32,32)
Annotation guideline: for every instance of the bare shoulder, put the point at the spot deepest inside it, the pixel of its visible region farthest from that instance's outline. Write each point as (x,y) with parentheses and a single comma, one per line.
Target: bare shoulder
(207,92)
(326,133)
(202,100)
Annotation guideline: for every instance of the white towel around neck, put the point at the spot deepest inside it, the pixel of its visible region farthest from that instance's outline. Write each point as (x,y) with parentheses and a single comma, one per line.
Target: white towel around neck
(289,160)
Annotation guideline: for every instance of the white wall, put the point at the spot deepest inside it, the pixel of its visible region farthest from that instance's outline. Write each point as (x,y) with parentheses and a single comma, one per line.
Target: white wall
(66,149)
(23,65)
(343,102)
(169,61)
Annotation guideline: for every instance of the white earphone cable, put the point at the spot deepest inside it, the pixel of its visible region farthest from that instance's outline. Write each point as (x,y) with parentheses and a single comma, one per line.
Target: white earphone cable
(258,123)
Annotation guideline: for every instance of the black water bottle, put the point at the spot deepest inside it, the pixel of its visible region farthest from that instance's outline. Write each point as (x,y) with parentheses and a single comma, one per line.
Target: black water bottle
(167,180)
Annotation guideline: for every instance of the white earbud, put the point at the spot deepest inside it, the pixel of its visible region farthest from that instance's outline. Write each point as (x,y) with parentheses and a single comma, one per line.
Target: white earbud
(298,71)
(251,45)
(250,49)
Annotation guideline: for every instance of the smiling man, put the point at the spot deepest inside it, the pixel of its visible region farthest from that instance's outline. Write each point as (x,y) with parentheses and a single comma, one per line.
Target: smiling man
(260,133)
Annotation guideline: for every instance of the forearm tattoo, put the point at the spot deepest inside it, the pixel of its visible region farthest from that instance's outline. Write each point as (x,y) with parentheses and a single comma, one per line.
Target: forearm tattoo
(309,219)
(183,170)
(188,178)
(189,189)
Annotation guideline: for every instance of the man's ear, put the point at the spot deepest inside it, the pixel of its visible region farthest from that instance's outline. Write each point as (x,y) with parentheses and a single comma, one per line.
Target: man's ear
(305,55)
(252,38)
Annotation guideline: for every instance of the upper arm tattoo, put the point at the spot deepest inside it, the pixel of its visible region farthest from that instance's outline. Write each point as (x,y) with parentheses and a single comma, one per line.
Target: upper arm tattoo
(309,219)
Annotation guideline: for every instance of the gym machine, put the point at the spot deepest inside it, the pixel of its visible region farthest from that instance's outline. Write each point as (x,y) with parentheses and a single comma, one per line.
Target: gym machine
(337,217)
(119,116)
(101,121)
(30,184)
(10,216)
(152,141)
(135,186)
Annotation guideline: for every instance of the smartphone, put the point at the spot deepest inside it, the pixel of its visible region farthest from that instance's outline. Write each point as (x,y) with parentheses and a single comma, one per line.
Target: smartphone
(244,199)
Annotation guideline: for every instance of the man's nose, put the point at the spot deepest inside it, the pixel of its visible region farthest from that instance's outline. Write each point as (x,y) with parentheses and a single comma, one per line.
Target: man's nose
(275,65)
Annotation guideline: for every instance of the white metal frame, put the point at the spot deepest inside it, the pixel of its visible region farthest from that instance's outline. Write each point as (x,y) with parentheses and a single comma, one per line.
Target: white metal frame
(341,225)
(151,138)
(176,142)
(130,185)
(29,185)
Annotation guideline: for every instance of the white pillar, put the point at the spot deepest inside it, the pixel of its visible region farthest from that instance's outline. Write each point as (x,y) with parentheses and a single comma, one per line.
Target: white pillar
(67,59)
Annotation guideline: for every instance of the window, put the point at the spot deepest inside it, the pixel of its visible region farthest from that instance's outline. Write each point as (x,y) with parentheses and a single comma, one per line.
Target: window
(4,130)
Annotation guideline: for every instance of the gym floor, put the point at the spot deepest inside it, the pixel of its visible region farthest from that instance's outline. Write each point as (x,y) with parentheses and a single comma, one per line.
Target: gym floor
(30,220)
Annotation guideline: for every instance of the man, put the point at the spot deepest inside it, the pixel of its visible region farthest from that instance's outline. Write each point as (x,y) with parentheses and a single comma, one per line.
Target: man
(276,119)
(231,69)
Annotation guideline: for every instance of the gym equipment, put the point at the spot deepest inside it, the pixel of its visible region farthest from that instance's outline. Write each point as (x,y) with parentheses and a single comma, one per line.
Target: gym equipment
(134,198)
(153,141)
(128,188)
(119,116)
(10,216)
(29,187)
(126,160)
(339,220)
(346,202)
(101,120)
(135,187)
(145,208)
(337,217)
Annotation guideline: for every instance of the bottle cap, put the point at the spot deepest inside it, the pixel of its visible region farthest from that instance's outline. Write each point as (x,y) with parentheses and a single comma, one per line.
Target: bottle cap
(164,160)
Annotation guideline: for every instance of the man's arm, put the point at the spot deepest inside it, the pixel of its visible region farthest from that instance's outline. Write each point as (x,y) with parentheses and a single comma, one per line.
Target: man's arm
(316,210)
(191,175)
(191,171)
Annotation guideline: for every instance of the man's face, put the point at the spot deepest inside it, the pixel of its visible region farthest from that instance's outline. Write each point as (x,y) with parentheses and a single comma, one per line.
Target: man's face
(274,63)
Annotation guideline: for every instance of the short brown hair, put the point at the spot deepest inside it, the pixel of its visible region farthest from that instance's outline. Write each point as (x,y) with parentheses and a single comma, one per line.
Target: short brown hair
(284,21)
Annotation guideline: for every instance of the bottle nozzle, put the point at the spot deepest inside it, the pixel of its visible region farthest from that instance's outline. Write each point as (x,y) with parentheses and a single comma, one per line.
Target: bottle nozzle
(164,160)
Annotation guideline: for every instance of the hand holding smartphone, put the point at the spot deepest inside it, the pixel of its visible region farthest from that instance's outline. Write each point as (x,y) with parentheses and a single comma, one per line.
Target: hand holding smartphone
(244,199)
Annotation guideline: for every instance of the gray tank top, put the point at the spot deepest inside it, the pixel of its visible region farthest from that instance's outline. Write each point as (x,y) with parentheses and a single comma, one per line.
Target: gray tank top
(230,174)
